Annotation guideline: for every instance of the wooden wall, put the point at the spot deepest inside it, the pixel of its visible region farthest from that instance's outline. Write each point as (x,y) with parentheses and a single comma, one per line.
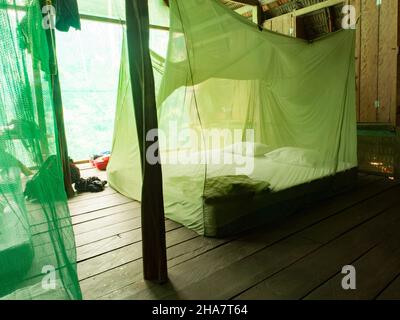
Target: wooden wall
(285,24)
(377,55)
(398,69)
(377,58)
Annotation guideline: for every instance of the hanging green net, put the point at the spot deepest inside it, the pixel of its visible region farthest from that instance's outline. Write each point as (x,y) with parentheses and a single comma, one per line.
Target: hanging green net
(245,117)
(37,246)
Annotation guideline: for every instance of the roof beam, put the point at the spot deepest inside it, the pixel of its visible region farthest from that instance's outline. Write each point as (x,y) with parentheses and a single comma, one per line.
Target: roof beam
(317,6)
(257,10)
(249,2)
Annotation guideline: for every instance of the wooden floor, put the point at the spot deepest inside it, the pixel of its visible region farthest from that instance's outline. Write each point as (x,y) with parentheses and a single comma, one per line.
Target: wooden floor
(298,258)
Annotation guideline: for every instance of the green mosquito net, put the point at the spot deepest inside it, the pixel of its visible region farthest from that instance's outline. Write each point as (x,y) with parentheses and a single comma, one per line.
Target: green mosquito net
(243,115)
(37,246)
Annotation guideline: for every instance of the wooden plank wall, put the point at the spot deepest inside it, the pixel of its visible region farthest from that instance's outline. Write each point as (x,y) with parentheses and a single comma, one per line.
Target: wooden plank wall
(398,68)
(378,77)
(387,62)
(357,5)
(368,61)
(285,24)
(377,59)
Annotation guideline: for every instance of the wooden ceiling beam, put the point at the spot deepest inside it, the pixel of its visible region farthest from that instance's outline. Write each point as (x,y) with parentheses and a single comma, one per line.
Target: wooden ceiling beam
(255,3)
(249,2)
(260,11)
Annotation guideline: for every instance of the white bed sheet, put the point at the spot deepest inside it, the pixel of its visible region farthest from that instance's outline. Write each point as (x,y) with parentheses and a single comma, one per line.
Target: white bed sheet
(280,175)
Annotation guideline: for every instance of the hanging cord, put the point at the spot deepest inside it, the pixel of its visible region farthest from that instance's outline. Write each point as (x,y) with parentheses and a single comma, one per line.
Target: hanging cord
(121,22)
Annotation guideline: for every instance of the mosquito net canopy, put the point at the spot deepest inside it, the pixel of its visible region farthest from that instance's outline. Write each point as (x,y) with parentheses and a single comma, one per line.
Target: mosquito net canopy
(37,247)
(243,114)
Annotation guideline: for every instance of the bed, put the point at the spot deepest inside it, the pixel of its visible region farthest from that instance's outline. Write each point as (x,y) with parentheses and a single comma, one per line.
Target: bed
(283,187)
(266,87)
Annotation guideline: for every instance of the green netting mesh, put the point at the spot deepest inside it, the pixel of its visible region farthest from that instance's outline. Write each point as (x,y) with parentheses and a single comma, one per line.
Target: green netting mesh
(37,246)
(243,113)
(125,164)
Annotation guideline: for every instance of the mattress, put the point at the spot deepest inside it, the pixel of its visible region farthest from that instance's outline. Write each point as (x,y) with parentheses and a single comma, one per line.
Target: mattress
(280,175)
(183,197)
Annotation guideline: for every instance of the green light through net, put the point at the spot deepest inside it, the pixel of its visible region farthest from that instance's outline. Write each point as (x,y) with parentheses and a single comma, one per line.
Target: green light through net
(224,75)
(37,245)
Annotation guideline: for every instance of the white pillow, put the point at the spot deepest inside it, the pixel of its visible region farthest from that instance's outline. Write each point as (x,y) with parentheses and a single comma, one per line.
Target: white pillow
(296,156)
(250,149)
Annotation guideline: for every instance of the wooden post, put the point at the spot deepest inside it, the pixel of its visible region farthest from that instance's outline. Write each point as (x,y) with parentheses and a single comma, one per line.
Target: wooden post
(40,108)
(58,110)
(62,140)
(143,91)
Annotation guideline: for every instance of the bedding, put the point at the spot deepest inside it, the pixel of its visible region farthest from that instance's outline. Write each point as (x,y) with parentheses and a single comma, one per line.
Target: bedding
(193,188)
(222,188)
(273,168)
(295,156)
(225,187)
(248,149)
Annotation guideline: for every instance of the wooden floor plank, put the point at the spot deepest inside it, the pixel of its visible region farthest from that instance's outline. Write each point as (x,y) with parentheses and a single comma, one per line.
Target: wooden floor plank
(112,280)
(374,271)
(238,276)
(133,207)
(231,252)
(260,267)
(183,250)
(79,198)
(107,245)
(332,227)
(107,228)
(129,253)
(107,232)
(95,220)
(299,279)
(392,292)
(95,204)
(106,221)
(115,239)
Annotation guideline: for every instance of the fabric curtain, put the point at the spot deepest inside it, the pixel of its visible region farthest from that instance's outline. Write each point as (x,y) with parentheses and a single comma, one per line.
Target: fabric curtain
(125,165)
